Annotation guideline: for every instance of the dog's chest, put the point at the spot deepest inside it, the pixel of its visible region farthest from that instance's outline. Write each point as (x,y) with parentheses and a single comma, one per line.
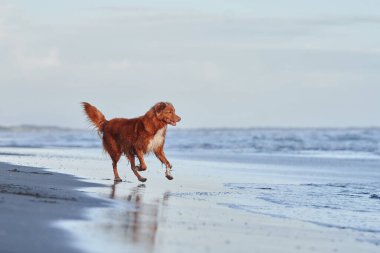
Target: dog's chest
(157,140)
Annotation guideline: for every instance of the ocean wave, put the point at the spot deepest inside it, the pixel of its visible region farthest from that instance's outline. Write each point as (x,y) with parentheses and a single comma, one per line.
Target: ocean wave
(278,140)
(365,140)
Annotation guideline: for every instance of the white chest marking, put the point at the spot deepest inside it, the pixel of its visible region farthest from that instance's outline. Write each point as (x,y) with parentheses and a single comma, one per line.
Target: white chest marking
(156,141)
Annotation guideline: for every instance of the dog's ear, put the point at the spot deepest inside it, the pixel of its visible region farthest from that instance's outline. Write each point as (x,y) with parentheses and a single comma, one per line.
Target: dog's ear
(158,108)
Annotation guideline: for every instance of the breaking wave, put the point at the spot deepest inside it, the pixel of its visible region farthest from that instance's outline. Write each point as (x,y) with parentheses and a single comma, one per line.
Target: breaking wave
(256,140)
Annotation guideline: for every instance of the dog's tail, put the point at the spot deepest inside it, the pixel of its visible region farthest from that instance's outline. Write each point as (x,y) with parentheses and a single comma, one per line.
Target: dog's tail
(95,116)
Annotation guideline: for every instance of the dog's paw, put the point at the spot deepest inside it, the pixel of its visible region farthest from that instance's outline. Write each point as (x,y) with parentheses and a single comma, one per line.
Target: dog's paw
(118,179)
(142,179)
(170,177)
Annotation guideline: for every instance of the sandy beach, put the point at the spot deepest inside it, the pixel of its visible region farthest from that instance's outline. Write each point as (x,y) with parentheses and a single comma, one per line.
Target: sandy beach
(224,203)
(267,111)
(31,199)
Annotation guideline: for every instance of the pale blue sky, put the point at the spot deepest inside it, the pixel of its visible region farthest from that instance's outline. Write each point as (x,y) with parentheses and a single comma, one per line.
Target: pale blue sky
(231,63)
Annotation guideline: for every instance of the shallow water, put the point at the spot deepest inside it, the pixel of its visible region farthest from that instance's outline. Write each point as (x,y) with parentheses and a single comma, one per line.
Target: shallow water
(331,187)
(348,205)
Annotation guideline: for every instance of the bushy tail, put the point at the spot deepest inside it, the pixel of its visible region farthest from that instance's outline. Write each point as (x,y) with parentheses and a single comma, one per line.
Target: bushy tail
(95,116)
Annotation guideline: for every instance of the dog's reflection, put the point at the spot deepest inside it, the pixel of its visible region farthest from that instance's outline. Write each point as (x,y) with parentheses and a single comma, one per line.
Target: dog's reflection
(141,219)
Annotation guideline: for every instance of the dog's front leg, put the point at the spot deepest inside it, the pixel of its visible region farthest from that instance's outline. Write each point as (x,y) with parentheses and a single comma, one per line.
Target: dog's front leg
(161,156)
(131,159)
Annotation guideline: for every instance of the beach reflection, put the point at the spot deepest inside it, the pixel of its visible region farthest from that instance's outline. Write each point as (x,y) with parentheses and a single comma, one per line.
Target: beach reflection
(140,223)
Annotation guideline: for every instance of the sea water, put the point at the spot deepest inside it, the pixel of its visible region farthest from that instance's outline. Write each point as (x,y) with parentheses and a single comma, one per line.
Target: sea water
(252,140)
(329,177)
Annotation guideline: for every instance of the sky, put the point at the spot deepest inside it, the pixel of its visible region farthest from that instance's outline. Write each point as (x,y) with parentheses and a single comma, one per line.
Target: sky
(225,63)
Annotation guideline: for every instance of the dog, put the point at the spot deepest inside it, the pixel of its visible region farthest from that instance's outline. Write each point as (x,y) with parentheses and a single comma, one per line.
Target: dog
(136,136)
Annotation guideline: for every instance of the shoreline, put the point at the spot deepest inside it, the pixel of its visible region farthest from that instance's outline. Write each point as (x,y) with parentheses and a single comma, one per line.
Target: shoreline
(194,211)
(31,199)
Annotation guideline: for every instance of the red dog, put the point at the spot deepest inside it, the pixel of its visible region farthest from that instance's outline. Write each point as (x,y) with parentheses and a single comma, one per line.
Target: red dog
(135,137)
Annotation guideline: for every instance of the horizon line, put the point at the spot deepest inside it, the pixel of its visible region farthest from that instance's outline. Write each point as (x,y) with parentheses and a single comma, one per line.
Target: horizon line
(21,127)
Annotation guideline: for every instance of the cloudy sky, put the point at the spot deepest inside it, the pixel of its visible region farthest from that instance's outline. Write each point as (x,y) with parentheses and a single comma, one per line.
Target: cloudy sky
(225,63)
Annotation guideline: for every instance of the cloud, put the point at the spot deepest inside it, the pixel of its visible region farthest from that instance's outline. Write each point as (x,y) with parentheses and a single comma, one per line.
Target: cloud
(126,57)
(47,60)
(324,20)
(197,28)
(18,37)
(248,16)
(4,12)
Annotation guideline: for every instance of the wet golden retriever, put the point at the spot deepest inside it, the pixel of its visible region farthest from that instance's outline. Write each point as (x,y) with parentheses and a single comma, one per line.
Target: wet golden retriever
(136,136)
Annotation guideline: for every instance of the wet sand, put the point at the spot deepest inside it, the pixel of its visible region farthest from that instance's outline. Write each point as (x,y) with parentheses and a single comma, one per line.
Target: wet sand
(193,213)
(31,199)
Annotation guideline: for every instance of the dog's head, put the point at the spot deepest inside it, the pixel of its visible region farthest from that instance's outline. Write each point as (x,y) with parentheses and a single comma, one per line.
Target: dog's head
(165,112)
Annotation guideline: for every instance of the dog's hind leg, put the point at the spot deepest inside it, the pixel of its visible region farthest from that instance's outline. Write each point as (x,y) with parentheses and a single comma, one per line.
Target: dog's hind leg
(111,148)
(131,159)
(116,174)
(142,166)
